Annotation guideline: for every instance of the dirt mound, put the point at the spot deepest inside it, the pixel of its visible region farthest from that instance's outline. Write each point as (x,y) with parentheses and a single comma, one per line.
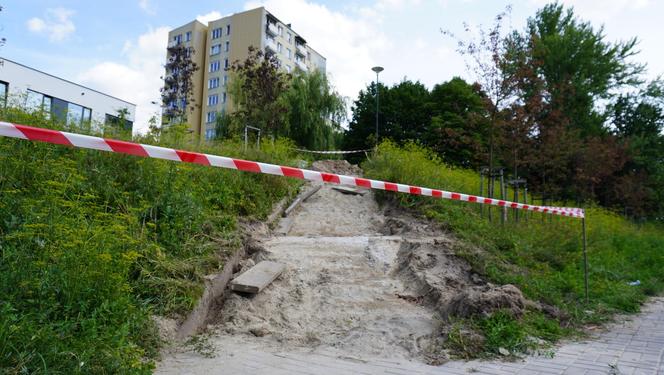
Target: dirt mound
(484,300)
(431,271)
(407,226)
(337,166)
(434,274)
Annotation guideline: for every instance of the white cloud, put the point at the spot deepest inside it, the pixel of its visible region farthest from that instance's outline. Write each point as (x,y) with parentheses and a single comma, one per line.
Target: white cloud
(56,24)
(138,79)
(212,16)
(349,43)
(146,6)
(362,37)
(600,13)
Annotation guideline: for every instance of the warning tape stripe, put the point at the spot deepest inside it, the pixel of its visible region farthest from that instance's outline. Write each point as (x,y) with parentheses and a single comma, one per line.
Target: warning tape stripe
(332,152)
(130,148)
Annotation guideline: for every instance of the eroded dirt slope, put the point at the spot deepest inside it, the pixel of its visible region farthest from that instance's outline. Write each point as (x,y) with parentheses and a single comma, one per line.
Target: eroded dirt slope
(359,282)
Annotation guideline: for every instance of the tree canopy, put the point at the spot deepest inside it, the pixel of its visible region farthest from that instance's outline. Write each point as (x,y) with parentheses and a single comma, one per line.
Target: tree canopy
(449,119)
(302,106)
(555,103)
(177,93)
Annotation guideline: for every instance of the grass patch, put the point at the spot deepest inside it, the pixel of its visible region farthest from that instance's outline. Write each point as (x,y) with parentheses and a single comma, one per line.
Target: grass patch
(541,256)
(93,243)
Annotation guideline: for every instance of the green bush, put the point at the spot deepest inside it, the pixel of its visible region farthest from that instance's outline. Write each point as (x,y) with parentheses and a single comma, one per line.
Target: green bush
(93,243)
(542,255)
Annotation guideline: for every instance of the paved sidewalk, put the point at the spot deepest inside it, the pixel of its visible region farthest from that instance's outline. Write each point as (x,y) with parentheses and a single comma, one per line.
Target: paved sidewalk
(633,347)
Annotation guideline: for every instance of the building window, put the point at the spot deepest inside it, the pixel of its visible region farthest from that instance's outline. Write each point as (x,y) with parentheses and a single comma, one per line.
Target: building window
(215,50)
(177,39)
(216,33)
(78,115)
(289,53)
(117,121)
(288,68)
(227,46)
(223,97)
(211,117)
(187,36)
(279,47)
(280,30)
(213,83)
(225,80)
(210,134)
(228,29)
(289,37)
(215,66)
(4,91)
(36,101)
(226,63)
(213,100)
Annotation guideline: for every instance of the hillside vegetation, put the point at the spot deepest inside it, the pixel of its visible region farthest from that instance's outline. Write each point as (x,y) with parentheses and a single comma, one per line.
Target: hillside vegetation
(93,243)
(542,256)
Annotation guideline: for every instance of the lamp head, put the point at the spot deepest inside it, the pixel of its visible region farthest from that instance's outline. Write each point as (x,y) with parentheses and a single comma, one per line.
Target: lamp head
(377,69)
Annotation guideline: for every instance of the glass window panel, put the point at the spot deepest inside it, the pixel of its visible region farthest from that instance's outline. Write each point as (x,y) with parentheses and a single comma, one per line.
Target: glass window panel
(34,101)
(74,113)
(4,88)
(87,114)
(46,105)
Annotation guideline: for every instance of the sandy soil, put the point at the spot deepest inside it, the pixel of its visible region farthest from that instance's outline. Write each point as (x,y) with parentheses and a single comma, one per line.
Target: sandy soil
(339,289)
(361,281)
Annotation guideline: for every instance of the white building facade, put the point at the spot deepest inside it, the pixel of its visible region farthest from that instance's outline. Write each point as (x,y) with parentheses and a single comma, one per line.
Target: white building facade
(67,101)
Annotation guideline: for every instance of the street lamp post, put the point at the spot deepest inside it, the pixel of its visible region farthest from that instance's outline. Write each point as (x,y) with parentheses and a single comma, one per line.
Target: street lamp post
(377,69)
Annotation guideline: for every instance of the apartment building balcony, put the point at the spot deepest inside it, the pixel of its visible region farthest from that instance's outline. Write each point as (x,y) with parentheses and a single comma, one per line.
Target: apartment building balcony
(300,64)
(271,45)
(271,29)
(301,49)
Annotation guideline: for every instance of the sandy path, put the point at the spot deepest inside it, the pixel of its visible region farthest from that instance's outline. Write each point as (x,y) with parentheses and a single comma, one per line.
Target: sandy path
(336,311)
(337,292)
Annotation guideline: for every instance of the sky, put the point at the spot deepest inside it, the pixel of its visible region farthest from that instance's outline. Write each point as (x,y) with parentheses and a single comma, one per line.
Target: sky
(119,47)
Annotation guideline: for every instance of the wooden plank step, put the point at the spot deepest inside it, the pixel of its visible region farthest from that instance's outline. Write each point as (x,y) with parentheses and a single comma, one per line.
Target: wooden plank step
(257,277)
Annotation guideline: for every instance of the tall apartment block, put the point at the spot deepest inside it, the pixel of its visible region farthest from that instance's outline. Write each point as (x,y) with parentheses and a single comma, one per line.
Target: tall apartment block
(221,42)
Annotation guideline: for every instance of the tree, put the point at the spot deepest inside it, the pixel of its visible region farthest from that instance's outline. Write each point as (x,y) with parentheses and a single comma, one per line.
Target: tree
(315,111)
(575,64)
(458,130)
(485,56)
(257,89)
(404,114)
(361,129)
(561,69)
(177,93)
(406,111)
(638,122)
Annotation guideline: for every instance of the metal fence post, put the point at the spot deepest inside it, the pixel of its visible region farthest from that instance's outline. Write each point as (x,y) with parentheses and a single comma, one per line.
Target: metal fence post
(585,257)
(481,190)
(503,214)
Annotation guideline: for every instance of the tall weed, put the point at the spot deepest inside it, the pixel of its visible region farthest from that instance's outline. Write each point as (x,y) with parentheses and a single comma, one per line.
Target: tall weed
(541,255)
(92,244)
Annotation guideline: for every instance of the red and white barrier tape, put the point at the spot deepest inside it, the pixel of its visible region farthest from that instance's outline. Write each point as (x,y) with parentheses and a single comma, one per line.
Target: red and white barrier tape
(130,148)
(332,152)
